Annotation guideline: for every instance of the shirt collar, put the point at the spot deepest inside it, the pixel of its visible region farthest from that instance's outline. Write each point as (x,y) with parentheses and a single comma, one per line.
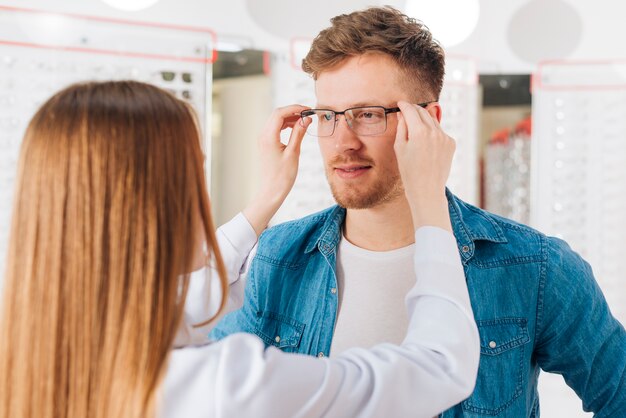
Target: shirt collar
(329,233)
(469,225)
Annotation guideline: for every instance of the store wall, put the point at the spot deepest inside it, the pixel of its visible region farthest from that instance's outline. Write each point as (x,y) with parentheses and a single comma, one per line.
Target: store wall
(240,108)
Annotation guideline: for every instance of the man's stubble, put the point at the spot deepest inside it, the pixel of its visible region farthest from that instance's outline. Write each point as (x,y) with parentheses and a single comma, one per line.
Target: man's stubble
(383,189)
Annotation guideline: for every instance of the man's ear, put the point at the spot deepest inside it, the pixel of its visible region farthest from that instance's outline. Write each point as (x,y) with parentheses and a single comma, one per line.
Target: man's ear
(435,111)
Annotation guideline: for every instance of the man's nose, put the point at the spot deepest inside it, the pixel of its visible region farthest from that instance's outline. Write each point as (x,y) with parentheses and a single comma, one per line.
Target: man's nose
(344,137)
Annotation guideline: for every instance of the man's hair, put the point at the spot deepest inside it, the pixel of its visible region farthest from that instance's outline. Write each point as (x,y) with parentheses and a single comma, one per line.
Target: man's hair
(385,30)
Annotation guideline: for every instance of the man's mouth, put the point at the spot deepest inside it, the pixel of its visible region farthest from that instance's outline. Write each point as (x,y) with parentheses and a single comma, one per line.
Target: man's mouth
(352,171)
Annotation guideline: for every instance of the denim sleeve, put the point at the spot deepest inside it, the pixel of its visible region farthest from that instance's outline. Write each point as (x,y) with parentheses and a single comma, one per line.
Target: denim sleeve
(243,319)
(577,336)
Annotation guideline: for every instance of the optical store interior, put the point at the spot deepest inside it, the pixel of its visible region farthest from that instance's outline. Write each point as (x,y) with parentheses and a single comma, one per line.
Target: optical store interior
(534,95)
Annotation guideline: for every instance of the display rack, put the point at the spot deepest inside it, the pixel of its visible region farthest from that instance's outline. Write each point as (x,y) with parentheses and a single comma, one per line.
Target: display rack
(507,172)
(578,165)
(41,52)
(460,102)
(578,180)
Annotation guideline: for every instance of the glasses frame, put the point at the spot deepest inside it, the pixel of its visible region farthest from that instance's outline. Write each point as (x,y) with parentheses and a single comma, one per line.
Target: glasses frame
(387,110)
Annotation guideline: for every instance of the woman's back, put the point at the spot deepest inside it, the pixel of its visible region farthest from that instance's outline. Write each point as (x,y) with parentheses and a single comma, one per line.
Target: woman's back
(92,299)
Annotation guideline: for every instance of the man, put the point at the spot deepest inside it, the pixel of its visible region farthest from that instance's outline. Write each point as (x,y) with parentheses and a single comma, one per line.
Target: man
(336,279)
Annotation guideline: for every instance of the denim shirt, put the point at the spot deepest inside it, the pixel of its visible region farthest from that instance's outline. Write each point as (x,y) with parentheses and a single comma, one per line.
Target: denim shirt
(536,304)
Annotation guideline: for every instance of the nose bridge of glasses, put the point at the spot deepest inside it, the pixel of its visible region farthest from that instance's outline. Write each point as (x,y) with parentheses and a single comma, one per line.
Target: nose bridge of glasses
(345,136)
(347,115)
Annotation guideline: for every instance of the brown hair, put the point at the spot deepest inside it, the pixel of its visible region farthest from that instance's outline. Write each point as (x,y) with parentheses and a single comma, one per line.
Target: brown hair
(109,197)
(385,30)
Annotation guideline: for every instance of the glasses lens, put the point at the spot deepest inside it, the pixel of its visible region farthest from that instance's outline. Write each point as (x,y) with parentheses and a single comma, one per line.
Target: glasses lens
(187,77)
(168,75)
(322,122)
(367,120)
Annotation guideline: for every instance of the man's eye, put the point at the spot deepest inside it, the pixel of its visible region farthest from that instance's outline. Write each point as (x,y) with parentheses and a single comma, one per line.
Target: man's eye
(327,117)
(369,115)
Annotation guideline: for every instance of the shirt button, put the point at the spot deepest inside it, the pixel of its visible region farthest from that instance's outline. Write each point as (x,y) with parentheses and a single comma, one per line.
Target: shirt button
(492,344)
(277,339)
(465,248)
(333,290)
(320,355)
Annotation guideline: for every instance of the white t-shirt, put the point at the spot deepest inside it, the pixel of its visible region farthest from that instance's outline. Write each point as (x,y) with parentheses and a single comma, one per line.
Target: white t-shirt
(372,286)
(434,369)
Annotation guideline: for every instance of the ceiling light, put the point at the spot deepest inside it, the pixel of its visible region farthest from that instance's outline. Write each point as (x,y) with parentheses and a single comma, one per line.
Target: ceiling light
(131,5)
(450,21)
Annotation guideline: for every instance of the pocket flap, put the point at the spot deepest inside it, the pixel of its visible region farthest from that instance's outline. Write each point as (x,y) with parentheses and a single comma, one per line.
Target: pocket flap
(279,330)
(499,335)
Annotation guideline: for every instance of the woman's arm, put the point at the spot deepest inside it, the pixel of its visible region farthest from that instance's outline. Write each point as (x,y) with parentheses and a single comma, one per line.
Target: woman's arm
(237,238)
(433,369)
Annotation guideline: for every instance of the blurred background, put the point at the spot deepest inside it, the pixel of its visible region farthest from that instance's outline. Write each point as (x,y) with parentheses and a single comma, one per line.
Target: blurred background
(535,95)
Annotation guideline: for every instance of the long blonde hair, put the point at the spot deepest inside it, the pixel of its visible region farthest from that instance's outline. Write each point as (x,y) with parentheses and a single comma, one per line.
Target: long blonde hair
(109,197)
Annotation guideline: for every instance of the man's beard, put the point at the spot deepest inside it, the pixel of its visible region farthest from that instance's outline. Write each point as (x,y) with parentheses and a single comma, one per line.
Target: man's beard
(383,189)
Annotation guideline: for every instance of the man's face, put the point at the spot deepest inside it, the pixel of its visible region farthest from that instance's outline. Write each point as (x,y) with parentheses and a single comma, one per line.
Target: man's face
(362,170)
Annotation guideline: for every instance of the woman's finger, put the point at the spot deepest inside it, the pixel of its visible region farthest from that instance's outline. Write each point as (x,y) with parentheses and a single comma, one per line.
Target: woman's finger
(425,116)
(291,120)
(297,135)
(280,119)
(413,122)
(402,135)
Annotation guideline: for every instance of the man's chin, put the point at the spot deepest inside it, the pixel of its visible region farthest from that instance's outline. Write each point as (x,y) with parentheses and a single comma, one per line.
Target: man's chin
(352,199)
(353,204)
(365,195)
(349,199)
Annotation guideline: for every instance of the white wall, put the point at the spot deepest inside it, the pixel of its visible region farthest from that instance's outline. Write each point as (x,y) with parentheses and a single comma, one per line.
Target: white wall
(243,105)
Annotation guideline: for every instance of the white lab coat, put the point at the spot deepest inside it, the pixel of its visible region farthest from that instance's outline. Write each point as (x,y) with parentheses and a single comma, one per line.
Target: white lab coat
(433,369)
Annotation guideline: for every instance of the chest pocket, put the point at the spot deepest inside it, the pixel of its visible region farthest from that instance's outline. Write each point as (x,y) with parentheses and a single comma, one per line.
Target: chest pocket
(278,330)
(501,371)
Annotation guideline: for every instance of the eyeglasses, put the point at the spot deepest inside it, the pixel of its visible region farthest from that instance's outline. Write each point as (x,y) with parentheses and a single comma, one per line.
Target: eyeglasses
(171,75)
(364,120)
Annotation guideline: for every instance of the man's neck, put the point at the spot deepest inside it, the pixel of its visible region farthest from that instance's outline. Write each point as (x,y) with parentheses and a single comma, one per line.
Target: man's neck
(385,227)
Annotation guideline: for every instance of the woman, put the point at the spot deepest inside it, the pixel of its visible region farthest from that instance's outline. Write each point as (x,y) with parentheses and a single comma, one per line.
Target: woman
(109,203)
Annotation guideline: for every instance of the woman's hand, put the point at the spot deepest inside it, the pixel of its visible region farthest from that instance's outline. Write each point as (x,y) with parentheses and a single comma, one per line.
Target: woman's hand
(424,154)
(279,164)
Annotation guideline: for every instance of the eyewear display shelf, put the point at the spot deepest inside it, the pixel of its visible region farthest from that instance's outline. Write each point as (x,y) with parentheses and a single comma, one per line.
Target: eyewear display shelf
(507,173)
(578,179)
(460,104)
(41,53)
(459,101)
